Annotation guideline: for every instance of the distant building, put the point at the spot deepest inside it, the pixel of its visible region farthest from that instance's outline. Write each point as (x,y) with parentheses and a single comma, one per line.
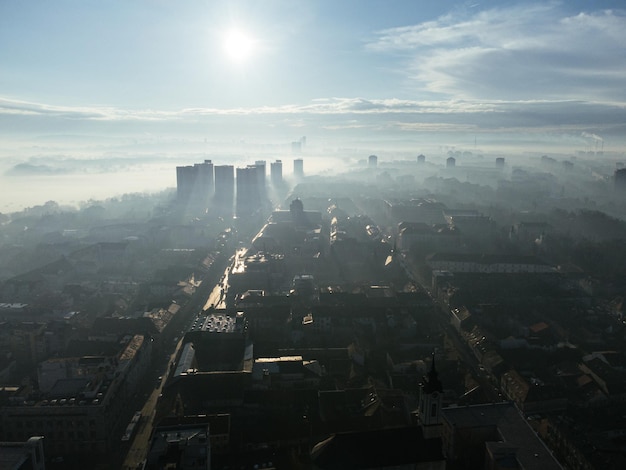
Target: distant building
(372,161)
(296,148)
(261,167)
(292,231)
(185,181)
(529,232)
(296,209)
(250,189)
(276,173)
(205,179)
(500,162)
(427,211)
(224,187)
(548,161)
(298,169)
(620,179)
(450,162)
(421,159)
(195,183)
(407,181)
(439,237)
(469,222)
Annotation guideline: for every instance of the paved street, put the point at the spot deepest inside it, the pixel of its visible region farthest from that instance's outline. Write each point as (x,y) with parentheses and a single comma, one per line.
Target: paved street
(139,447)
(140,444)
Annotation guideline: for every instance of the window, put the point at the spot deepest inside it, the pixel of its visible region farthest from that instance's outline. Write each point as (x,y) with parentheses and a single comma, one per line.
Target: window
(433,410)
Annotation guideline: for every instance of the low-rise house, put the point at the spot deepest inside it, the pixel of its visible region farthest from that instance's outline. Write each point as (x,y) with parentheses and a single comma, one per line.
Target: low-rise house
(287,372)
(610,380)
(531,395)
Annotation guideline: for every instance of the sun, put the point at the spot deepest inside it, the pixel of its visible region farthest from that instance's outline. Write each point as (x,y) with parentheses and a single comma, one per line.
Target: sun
(238,46)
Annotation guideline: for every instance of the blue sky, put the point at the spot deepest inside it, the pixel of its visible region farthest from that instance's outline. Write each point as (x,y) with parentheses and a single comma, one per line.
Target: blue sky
(513,75)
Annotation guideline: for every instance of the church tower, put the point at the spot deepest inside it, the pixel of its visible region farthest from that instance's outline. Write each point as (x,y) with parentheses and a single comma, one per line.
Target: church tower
(430,403)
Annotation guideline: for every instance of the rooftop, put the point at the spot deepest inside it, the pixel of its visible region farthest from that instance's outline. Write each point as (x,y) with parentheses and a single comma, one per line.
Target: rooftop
(512,427)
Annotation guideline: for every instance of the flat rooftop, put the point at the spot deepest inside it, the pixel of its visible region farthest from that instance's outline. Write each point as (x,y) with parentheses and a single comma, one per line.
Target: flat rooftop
(512,426)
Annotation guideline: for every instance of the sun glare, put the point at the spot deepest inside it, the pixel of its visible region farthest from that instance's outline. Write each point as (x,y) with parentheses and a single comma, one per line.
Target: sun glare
(238,46)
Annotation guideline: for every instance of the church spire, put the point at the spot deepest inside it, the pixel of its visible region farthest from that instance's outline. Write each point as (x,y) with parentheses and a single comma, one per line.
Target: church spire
(431,402)
(433,383)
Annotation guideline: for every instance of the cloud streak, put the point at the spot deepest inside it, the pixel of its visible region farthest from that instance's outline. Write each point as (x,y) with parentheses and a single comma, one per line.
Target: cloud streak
(522,52)
(322,106)
(376,117)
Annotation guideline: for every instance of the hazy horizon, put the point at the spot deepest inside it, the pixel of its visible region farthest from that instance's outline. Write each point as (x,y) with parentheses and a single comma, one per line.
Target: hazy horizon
(125,88)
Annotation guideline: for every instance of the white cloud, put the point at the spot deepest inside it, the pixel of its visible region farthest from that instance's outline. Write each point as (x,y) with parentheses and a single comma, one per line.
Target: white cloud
(319,106)
(515,53)
(376,117)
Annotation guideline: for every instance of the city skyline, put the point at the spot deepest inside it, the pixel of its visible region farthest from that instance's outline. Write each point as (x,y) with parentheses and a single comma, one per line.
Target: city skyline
(85,81)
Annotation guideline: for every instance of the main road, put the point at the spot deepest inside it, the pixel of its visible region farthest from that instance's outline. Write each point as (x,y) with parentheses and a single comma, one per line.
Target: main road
(139,448)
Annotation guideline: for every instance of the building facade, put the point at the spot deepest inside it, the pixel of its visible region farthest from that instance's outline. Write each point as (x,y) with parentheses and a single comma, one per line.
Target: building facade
(249,190)
(195,183)
(298,168)
(276,173)
(224,188)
